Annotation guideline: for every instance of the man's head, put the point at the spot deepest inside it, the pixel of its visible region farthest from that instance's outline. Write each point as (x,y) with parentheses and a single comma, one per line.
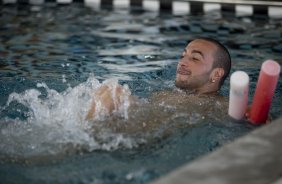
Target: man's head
(204,65)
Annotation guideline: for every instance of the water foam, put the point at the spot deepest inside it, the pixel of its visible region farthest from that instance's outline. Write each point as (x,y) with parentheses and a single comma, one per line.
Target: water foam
(56,124)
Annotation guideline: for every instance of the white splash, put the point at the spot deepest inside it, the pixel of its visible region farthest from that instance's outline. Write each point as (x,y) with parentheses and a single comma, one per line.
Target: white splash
(56,121)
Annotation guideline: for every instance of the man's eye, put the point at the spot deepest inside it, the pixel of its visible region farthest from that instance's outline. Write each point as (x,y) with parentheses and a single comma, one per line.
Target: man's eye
(195,59)
(182,56)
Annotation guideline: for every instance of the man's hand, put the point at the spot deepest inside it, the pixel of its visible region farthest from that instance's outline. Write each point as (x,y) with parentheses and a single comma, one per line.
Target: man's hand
(105,100)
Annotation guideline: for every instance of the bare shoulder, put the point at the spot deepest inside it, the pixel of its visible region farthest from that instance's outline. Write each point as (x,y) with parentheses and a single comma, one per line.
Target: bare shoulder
(191,102)
(172,96)
(178,96)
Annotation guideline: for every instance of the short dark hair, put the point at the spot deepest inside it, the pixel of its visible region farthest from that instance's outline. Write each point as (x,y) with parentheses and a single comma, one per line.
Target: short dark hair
(222,58)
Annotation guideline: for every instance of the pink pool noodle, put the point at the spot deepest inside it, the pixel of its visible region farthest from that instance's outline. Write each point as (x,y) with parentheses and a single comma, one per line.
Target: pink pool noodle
(265,88)
(238,97)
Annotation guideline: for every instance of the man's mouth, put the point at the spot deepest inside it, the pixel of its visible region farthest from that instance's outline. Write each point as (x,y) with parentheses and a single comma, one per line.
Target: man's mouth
(182,71)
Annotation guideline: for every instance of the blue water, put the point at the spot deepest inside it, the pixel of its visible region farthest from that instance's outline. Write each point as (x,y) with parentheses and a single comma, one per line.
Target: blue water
(53,58)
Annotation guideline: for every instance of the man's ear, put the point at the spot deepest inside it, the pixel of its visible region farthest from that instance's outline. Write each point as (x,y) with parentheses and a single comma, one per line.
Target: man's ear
(217,74)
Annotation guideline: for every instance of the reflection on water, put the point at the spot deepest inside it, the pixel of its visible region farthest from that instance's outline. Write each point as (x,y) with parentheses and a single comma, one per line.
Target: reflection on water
(47,61)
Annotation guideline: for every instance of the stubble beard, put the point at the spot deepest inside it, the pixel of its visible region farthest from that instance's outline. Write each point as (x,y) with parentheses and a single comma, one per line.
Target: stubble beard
(192,83)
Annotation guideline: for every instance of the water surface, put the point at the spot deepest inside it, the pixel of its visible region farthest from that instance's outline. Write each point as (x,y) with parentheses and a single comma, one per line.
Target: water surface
(53,58)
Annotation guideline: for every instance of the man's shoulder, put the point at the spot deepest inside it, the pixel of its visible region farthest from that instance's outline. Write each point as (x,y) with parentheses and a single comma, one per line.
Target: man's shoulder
(167,94)
(179,97)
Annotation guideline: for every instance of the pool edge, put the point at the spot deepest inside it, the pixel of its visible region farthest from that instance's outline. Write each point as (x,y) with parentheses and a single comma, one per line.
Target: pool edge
(255,158)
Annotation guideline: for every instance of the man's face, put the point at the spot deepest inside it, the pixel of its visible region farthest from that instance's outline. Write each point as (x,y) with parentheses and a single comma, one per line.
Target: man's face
(195,65)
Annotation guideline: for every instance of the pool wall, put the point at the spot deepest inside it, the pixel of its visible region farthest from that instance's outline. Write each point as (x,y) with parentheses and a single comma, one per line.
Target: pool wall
(252,159)
(255,7)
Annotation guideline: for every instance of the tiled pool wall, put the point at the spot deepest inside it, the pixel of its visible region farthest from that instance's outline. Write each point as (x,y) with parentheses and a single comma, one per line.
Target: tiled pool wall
(253,159)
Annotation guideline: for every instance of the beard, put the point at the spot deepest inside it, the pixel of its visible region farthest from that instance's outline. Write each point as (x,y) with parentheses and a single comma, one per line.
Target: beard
(189,82)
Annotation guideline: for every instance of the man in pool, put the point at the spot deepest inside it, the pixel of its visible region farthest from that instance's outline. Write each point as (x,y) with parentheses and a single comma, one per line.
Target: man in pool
(202,69)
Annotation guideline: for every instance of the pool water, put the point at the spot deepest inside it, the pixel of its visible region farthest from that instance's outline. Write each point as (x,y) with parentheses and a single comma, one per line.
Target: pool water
(52,58)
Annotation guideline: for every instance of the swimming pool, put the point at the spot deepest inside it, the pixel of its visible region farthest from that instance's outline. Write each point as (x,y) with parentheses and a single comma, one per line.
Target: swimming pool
(52,60)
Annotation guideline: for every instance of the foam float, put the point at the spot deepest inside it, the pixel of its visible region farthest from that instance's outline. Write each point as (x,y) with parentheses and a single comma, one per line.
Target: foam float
(264,92)
(239,93)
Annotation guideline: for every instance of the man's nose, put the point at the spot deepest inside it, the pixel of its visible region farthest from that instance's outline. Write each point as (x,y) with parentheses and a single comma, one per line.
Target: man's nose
(184,62)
